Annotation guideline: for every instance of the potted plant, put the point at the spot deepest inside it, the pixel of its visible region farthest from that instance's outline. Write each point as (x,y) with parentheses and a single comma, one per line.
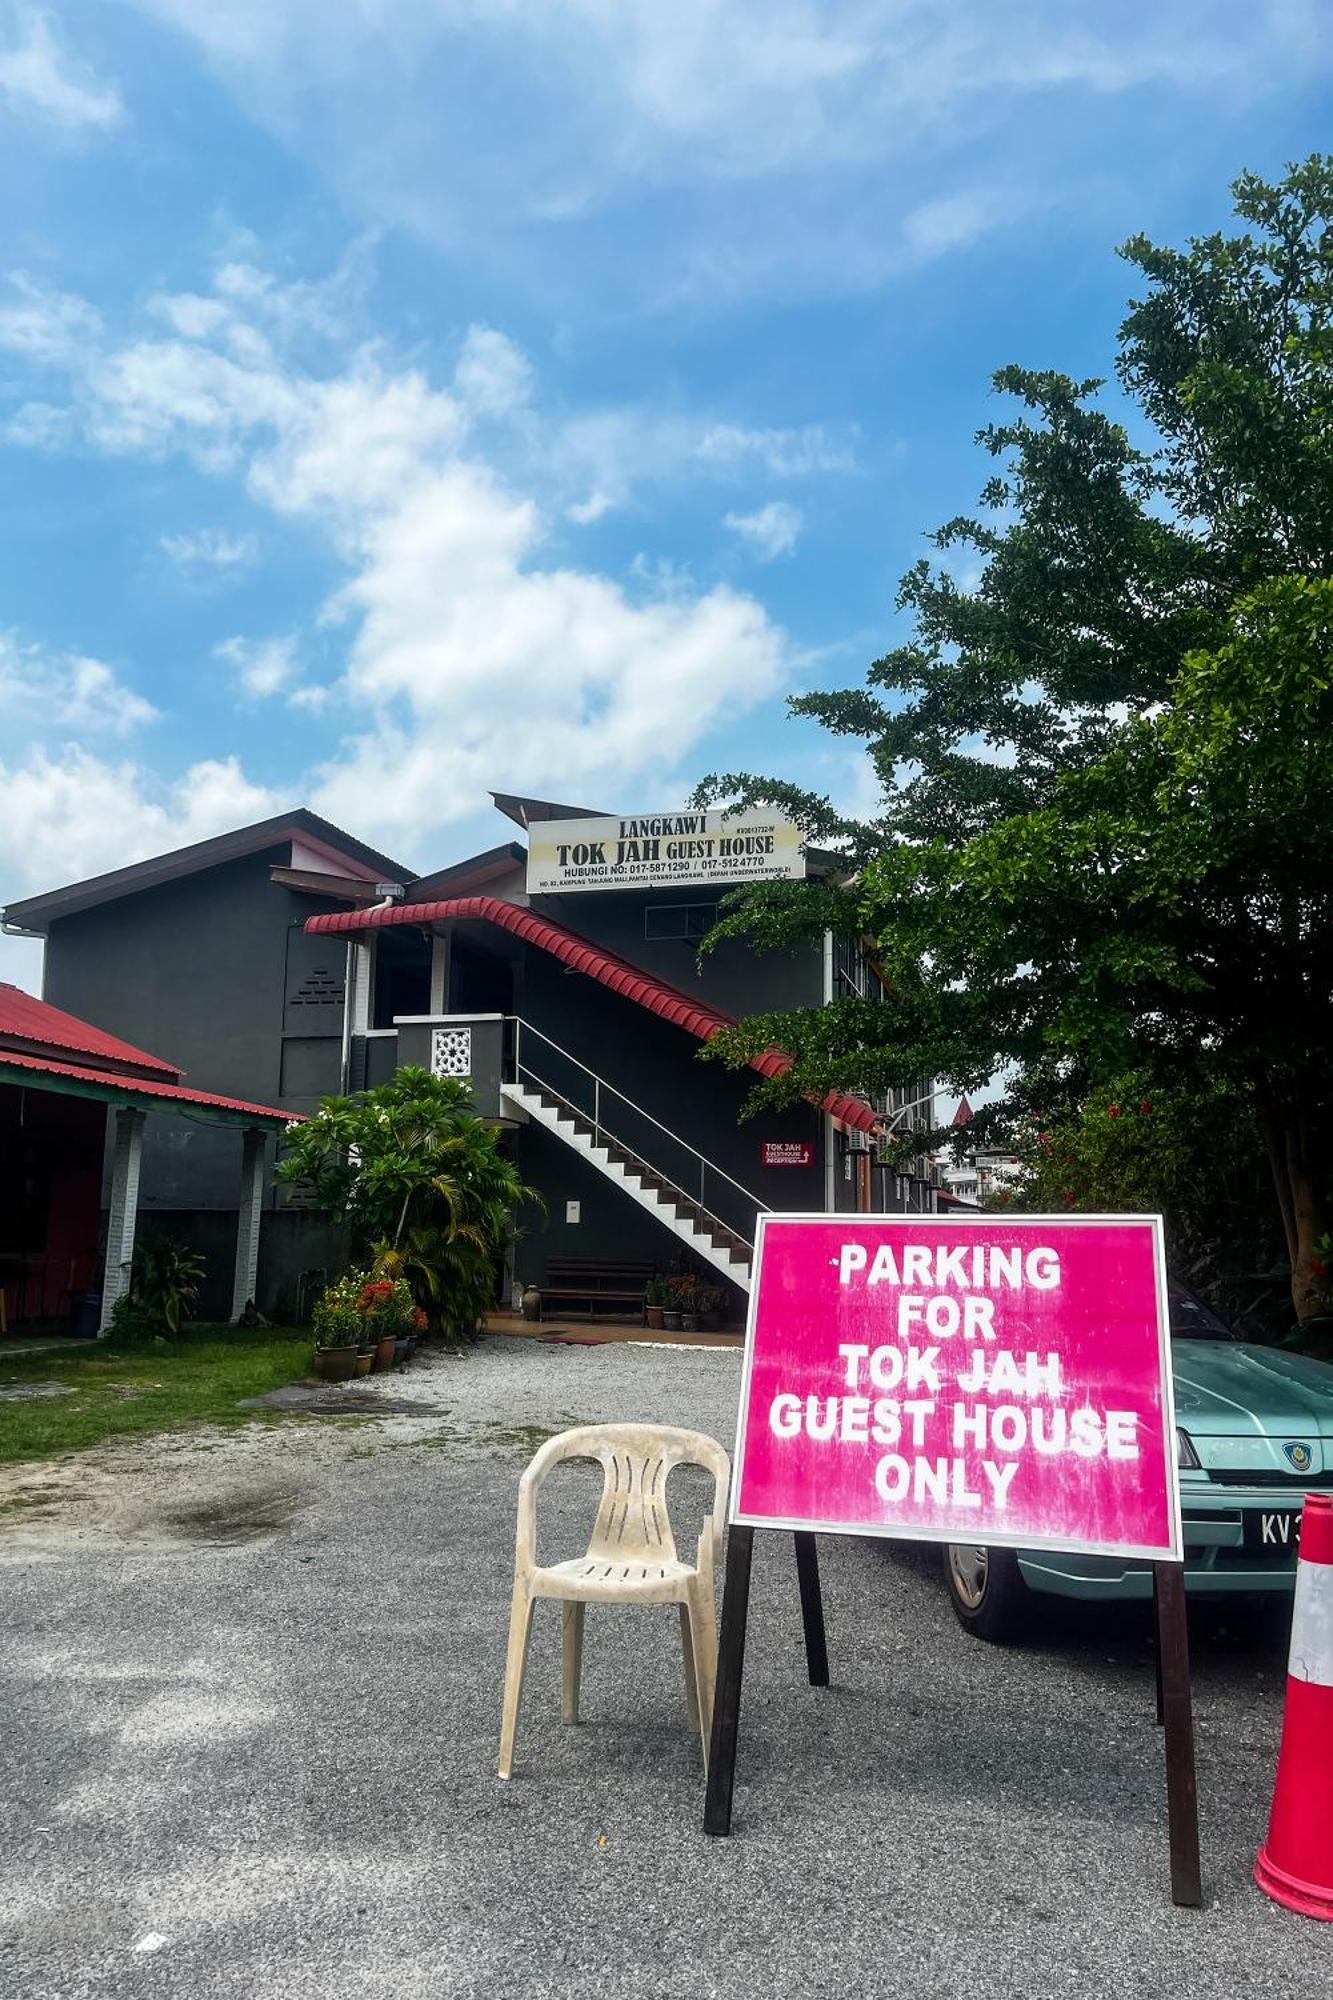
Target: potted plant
(712,1298)
(338,1334)
(363,1315)
(656,1297)
(686,1293)
(670,1305)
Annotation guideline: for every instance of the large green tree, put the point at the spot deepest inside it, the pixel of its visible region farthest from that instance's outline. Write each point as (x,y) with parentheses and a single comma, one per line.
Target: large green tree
(1107,820)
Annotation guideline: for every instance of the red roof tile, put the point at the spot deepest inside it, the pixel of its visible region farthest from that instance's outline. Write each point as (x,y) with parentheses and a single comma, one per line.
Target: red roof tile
(145,1086)
(28,1019)
(686,1010)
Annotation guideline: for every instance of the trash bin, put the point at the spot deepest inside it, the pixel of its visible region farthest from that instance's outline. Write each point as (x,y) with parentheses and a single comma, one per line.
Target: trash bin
(85,1313)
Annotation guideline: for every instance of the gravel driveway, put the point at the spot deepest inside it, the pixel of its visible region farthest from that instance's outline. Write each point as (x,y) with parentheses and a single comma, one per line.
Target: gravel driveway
(250,1687)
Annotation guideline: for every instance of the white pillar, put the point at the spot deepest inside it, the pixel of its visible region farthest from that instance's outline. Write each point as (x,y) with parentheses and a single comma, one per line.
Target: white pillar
(127,1152)
(363,984)
(253,1177)
(439,973)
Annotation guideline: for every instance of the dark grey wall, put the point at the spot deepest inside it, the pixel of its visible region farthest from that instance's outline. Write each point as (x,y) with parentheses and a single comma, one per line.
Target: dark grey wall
(290,1242)
(610,1224)
(659,1066)
(214,972)
(731,976)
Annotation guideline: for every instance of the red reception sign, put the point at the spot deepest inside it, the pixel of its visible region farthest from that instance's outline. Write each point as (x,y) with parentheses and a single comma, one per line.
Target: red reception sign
(962,1378)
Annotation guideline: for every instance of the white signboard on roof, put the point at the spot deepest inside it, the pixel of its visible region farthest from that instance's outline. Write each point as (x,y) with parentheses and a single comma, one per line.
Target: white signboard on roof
(672,850)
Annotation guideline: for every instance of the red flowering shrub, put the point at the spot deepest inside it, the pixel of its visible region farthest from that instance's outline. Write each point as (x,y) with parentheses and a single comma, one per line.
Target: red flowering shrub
(360,1311)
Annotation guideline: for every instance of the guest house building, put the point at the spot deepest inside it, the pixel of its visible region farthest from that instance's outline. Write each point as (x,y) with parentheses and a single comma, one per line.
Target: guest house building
(558,971)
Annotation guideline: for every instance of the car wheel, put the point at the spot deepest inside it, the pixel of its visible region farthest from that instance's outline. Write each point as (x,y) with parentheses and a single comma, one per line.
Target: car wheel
(987,1590)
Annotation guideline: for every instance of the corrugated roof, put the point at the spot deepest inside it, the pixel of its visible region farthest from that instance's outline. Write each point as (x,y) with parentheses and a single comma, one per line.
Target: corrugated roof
(686,1010)
(109,1081)
(28,1019)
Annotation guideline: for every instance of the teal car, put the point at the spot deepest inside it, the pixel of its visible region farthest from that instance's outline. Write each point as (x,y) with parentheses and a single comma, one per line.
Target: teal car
(1255,1434)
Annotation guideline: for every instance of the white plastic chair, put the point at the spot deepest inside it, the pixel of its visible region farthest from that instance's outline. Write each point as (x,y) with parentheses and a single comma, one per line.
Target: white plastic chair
(631,1559)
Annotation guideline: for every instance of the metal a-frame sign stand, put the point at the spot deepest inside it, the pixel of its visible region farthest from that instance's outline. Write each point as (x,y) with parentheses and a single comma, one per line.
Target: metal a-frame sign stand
(1170,1632)
(1174,1704)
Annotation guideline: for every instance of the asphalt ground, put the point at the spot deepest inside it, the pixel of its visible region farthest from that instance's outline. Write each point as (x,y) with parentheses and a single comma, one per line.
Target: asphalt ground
(250,1708)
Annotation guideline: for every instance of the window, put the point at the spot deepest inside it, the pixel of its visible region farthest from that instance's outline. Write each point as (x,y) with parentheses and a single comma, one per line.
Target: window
(853,974)
(679,920)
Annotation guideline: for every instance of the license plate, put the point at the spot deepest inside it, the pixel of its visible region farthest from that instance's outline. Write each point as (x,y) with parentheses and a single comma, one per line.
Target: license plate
(1273,1531)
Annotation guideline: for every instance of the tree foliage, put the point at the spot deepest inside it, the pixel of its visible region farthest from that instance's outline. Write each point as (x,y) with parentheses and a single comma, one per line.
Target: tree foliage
(422,1183)
(1107,768)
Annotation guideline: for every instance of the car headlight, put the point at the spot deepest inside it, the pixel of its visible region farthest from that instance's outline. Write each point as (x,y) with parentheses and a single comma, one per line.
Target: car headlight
(1186,1455)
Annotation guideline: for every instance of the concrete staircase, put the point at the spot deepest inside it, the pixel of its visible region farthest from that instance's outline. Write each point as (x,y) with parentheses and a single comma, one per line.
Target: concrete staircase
(710,1238)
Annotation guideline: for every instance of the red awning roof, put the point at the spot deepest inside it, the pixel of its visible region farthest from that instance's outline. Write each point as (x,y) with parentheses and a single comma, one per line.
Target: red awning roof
(24,1018)
(118,1083)
(686,1010)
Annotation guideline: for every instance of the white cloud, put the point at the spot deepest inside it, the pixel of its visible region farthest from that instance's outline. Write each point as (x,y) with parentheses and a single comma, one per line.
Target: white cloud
(210,548)
(473,653)
(955,221)
(771,531)
(787,454)
(263,666)
(45,326)
(778,146)
(38,76)
(73,814)
(493,376)
(39,427)
(69,690)
(585,512)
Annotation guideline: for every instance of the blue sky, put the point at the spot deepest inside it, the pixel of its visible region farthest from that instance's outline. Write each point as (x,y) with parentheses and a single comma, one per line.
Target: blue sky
(398,400)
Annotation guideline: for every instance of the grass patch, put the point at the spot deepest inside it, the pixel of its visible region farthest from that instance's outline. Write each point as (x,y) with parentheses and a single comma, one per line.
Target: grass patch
(133,1387)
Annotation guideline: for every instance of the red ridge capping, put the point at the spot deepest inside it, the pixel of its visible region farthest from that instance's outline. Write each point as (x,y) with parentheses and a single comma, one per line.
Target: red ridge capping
(686,1010)
(29,1019)
(165,1088)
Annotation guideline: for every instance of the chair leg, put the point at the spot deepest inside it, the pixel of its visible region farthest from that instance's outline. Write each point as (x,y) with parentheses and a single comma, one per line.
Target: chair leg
(516,1660)
(571,1658)
(691,1677)
(703,1633)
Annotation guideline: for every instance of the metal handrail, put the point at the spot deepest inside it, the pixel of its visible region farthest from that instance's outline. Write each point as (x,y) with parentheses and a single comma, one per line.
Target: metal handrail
(600,1083)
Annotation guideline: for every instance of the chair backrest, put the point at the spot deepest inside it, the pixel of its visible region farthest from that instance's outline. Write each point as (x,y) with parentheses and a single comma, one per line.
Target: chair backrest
(632,1522)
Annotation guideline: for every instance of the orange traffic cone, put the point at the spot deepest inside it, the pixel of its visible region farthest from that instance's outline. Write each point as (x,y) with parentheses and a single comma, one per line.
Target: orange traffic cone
(1295,1864)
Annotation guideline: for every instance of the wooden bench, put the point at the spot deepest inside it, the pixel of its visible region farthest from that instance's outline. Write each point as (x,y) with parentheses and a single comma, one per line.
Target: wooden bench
(604,1287)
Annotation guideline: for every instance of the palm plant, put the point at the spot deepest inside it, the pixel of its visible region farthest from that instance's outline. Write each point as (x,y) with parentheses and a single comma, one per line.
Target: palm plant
(423,1184)
(165,1277)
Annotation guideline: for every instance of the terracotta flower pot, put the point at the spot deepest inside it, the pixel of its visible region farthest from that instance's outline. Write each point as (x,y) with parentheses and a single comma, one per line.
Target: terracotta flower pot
(384,1352)
(652,1316)
(364,1360)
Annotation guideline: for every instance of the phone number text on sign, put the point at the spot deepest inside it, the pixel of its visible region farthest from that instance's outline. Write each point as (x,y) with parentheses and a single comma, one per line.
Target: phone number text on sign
(1002,1381)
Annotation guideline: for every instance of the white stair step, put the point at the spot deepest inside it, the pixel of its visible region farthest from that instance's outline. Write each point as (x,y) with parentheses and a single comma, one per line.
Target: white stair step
(658,1202)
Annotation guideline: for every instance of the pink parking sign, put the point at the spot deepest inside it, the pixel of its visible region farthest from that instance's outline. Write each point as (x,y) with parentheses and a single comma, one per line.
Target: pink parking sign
(961,1378)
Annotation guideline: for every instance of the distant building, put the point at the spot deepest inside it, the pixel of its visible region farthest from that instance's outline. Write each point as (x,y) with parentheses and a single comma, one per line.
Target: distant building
(559,973)
(981,1173)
